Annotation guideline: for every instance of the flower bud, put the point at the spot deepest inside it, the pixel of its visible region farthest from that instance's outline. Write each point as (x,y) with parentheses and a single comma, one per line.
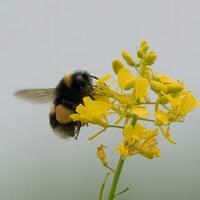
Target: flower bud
(174,87)
(145,48)
(162,100)
(101,154)
(156,77)
(158,87)
(151,57)
(117,65)
(143,43)
(128,58)
(140,54)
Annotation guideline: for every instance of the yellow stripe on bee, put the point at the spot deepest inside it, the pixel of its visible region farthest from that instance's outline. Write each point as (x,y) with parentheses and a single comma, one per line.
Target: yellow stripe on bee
(63,114)
(68,80)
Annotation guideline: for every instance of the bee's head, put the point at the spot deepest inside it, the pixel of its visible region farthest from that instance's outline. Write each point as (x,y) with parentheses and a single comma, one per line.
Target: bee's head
(82,82)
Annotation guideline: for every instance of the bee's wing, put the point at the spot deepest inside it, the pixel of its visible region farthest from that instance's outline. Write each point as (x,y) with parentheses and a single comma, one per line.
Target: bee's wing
(37,95)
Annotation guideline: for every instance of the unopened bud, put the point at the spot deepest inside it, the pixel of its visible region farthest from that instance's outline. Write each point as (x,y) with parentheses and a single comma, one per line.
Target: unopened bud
(140,54)
(158,87)
(117,65)
(151,57)
(162,100)
(145,48)
(143,43)
(174,87)
(128,58)
(101,154)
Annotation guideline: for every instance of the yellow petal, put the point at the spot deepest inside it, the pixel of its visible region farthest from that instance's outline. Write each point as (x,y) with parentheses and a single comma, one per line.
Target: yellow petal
(75,117)
(141,87)
(123,150)
(99,121)
(125,79)
(95,107)
(140,111)
(135,132)
(173,101)
(162,117)
(103,79)
(188,103)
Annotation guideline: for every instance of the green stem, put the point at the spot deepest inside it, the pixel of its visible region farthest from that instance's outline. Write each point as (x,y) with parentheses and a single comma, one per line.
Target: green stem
(102,187)
(115,126)
(149,103)
(166,107)
(145,119)
(110,168)
(119,193)
(116,179)
(97,134)
(102,131)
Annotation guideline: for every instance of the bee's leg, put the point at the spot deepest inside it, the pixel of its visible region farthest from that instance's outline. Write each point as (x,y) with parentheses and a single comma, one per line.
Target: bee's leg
(94,77)
(77,130)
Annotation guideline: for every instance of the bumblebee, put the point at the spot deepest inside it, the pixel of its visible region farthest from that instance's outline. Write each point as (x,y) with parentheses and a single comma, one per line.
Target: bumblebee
(67,95)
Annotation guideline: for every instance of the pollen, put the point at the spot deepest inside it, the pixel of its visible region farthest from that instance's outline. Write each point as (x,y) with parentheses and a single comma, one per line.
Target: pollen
(63,114)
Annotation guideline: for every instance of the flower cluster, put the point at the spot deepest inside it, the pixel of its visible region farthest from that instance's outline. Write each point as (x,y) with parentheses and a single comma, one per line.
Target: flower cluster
(130,96)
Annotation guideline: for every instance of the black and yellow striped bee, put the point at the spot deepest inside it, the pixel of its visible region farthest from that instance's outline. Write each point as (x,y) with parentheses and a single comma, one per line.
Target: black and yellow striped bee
(67,95)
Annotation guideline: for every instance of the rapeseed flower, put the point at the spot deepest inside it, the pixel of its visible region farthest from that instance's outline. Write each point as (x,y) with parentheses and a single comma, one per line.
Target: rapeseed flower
(136,97)
(139,140)
(93,112)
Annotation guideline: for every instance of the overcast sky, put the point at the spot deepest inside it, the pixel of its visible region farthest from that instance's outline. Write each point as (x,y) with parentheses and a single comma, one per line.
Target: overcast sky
(40,41)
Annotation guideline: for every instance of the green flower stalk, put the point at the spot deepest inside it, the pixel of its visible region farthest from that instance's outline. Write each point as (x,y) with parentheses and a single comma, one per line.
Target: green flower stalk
(116,178)
(128,95)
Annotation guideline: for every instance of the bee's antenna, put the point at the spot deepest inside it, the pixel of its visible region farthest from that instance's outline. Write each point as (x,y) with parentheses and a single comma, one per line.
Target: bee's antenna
(94,77)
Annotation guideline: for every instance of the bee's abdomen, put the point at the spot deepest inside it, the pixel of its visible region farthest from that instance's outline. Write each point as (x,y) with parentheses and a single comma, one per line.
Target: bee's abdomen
(60,121)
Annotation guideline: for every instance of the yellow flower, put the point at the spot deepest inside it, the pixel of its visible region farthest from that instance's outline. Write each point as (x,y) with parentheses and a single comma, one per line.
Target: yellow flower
(131,100)
(103,90)
(124,151)
(182,104)
(101,154)
(139,140)
(162,118)
(92,112)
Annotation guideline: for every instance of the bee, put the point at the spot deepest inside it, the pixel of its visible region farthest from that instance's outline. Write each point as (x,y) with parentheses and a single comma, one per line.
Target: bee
(66,96)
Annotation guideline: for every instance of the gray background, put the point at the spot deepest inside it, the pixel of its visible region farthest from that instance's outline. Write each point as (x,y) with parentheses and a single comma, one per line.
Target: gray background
(40,41)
